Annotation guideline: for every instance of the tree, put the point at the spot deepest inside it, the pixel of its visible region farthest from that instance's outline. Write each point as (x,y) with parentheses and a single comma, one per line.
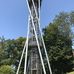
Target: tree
(2,49)
(59,44)
(14,49)
(6,69)
(11,51)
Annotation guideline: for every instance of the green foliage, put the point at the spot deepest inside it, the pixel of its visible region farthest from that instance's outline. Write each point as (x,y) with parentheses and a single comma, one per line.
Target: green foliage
(58,39)
(59,44)
(10,51)
(6,69)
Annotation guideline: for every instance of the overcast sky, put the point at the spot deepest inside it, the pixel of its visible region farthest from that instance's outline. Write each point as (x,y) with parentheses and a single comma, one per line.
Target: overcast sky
(14,14)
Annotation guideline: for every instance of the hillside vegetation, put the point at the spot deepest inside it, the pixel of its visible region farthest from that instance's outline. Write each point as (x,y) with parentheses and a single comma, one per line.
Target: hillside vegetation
(58,40)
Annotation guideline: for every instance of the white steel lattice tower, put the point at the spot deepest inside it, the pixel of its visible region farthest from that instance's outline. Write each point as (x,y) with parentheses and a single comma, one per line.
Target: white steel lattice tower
(34,64)
(34,45)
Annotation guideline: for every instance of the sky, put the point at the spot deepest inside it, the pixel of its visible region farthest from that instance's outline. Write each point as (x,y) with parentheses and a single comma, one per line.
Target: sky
(14,15)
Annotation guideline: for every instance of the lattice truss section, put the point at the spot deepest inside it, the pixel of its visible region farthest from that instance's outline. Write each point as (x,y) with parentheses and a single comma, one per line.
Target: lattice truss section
(34,15)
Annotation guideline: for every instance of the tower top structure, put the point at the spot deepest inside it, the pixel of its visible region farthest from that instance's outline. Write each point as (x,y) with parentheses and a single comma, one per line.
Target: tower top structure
(35,1)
